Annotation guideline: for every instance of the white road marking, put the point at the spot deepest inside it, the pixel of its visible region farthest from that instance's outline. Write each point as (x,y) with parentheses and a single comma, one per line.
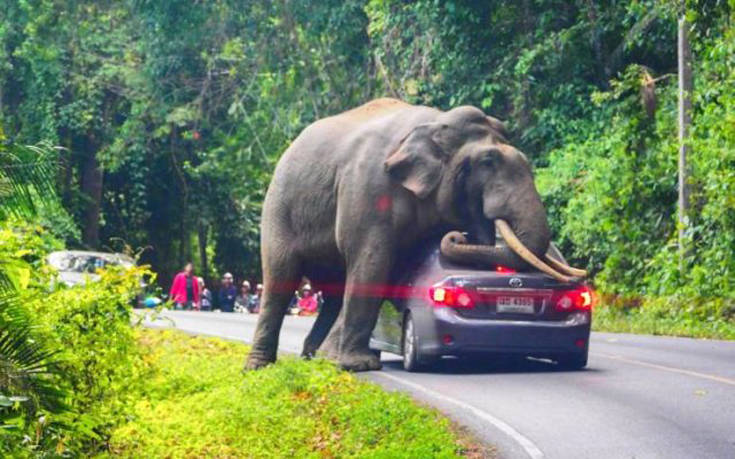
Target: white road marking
(531,449)
(682,371)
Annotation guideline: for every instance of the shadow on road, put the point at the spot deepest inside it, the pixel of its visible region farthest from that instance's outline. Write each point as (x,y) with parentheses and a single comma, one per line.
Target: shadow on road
(493,365)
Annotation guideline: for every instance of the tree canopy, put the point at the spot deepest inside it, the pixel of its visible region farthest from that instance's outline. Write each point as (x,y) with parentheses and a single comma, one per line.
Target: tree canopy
(172,115)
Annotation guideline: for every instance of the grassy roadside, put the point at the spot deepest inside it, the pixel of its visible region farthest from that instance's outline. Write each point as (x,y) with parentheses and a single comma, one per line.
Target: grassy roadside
(662,319)
(197,403)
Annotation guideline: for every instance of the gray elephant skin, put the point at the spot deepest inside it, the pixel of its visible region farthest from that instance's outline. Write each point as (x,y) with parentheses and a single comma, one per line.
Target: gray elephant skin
(355,189)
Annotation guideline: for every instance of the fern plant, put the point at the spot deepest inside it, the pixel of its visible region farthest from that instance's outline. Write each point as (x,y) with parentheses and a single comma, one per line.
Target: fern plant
(26,178)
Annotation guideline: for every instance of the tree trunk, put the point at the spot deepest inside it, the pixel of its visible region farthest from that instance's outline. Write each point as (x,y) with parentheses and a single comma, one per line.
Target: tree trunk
(203,249)
(184,234)
(524,115)
(602,72)
(185,246)
(66,173)
(685,121)
(92,188)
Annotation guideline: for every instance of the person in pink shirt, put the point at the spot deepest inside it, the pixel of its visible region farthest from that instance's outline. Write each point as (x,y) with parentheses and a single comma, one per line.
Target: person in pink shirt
(308,303)
(185,289)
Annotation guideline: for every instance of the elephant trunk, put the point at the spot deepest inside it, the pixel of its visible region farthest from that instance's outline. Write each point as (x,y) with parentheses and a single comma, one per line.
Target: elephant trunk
(455,247)
(517,255)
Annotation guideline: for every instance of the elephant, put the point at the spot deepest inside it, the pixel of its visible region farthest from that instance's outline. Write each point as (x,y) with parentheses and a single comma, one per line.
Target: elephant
(355,189)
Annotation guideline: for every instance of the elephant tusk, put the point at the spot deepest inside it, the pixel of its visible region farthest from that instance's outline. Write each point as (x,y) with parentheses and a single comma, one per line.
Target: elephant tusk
(563,267)
(517,246)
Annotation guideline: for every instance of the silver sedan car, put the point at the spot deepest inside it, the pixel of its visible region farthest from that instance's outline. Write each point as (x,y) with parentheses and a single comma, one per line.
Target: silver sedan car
(75,267)
(437,308)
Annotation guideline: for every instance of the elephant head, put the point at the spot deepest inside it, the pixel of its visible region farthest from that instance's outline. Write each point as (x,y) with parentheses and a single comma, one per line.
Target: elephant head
(463,161)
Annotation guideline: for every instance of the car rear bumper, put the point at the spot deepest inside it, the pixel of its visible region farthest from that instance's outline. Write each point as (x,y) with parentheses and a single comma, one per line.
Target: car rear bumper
(456,335)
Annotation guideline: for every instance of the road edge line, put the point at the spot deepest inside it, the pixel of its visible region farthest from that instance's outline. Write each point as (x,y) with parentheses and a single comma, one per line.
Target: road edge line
(528,446)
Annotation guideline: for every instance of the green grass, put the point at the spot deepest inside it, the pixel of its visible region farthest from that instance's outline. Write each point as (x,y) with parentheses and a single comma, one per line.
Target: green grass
(662,317)
(198,403)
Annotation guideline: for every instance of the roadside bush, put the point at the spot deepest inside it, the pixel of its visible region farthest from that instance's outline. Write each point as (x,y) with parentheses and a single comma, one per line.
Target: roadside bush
(667,315)
(98,362)
(25,391)
(78,386)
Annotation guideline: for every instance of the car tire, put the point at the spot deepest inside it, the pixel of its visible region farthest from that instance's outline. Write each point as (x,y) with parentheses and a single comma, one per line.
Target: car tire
(413,360)
(572,361)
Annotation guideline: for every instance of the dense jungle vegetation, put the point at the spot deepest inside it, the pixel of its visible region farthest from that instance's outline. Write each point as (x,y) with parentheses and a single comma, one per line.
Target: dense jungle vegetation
(169,118)
(156,125)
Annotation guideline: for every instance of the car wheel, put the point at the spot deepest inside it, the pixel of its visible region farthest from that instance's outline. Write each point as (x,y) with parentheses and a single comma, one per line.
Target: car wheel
(572,361)
(413,360)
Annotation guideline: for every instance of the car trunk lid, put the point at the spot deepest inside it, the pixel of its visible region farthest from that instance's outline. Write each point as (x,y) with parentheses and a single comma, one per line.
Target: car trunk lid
(516,296)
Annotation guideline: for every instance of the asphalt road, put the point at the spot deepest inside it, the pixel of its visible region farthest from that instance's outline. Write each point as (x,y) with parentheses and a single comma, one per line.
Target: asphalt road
(640,396)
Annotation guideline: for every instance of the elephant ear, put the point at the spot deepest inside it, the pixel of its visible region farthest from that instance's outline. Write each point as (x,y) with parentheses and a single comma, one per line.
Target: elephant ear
(418,162)
(499,127)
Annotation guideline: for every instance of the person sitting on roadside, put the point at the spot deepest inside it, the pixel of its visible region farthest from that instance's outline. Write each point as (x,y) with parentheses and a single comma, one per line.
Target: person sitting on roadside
(254,304)
(242,302)
(185,289)
(227,294)
(308,303)
(206,296)
(293,305)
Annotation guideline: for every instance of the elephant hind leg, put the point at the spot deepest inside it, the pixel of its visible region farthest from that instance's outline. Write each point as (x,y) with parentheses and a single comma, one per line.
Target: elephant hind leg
(281,276)
(324,322)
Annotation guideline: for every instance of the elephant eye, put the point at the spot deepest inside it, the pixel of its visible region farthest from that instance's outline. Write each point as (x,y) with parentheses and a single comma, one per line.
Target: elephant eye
(490,159)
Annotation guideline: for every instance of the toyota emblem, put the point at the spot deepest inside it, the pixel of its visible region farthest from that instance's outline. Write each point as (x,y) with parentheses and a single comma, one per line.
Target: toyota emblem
(515,282)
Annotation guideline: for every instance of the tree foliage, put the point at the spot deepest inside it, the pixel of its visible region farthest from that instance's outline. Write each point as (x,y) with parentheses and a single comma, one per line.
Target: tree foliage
(174,113)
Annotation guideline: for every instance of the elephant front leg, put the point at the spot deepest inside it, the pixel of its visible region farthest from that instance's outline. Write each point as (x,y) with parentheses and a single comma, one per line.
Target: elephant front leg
(323,324)
(279,281)
(265,341)
(364,291)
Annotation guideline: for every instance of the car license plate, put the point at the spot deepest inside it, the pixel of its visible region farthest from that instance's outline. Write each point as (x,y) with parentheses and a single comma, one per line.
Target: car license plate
(515,304)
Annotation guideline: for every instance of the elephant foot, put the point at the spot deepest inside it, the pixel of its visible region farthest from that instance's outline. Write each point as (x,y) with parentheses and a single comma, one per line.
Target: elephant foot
(308,353)
(360,361)
(310,349)
(256,362)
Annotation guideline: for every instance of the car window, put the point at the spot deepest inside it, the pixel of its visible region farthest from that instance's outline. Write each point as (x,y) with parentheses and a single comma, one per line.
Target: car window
(89,264)
(62,261)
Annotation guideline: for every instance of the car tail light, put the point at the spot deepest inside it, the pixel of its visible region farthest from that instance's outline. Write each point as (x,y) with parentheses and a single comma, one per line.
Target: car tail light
(451,296)
(572,300)
(504,270)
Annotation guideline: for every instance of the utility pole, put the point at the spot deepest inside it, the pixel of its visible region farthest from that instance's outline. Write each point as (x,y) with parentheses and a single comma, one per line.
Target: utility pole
(685,121)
